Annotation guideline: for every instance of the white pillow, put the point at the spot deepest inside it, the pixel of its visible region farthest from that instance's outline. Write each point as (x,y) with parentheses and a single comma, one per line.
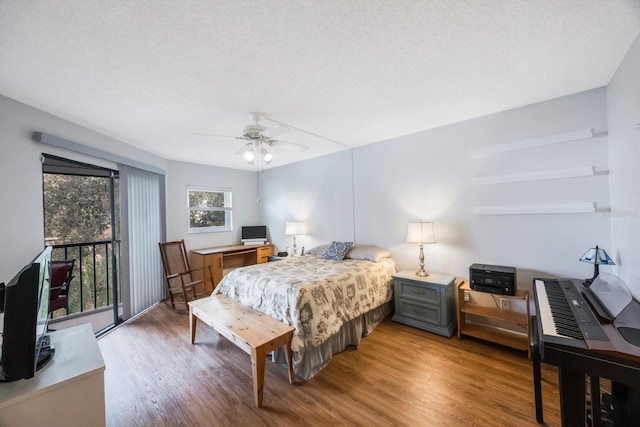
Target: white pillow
(371,253)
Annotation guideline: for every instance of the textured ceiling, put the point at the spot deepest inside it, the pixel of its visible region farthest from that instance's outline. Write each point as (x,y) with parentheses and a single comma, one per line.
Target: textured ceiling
(151,73)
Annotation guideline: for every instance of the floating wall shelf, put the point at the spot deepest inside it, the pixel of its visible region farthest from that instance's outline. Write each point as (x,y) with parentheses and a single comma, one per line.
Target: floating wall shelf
(538,176)
(554,208)
(536,142)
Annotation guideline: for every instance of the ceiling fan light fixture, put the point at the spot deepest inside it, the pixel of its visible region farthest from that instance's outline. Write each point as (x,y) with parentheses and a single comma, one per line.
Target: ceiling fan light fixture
(257,140)
(250,155)
(267,157)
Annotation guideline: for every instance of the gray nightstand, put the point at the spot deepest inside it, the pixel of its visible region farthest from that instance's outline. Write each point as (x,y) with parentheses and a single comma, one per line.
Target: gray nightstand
(425,302)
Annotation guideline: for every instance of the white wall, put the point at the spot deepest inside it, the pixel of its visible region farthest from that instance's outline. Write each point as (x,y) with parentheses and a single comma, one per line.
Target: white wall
(428,175)
(245,210)
(623,98)
(21,218)
(421,176)
(318,192)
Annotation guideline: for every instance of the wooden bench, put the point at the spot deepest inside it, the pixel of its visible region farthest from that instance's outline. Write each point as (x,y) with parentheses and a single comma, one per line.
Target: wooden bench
(255,333)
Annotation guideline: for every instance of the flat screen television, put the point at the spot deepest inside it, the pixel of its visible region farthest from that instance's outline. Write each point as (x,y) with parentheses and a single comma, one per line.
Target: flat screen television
(254,233)
(26,311)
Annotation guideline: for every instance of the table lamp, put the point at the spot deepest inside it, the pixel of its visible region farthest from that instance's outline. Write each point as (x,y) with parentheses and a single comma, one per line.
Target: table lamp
(596,256)
(293,228)
(422,233)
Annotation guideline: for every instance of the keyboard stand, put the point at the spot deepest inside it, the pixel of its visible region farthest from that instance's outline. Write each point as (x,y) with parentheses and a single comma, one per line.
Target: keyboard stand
(537,376)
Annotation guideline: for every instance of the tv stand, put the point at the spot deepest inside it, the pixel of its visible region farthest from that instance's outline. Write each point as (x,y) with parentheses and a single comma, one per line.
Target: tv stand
(69,390)
(222,259)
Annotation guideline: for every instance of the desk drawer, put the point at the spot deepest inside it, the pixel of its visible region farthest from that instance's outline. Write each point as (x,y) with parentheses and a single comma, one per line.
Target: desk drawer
(422,292)
(263,253)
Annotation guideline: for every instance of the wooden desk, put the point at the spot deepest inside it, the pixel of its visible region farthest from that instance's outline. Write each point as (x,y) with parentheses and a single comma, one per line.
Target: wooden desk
(222,259)
(68,391)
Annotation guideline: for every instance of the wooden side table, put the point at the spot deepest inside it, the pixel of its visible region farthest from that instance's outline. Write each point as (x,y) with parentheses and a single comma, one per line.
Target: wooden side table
(513,339)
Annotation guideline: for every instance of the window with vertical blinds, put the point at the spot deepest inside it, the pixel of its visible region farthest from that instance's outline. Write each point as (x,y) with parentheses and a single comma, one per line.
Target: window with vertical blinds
(143,227)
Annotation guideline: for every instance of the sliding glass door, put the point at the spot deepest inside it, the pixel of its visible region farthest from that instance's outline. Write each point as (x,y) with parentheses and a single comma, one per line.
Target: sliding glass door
(81,222)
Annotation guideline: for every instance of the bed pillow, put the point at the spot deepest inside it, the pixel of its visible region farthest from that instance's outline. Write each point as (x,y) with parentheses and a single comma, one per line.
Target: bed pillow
(317,251)
(371,253)
(337,250)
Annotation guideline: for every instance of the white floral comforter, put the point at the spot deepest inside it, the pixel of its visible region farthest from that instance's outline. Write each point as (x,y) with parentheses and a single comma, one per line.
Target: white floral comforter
(314,295)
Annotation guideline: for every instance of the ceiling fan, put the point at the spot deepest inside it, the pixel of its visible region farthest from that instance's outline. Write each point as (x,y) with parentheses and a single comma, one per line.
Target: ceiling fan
(258,140)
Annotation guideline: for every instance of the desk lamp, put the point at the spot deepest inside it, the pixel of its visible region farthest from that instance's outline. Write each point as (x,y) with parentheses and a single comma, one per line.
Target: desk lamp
(596,256)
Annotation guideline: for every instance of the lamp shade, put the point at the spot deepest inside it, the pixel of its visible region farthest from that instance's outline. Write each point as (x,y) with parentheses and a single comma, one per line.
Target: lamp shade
(597,256)
(293,228)
(420,232)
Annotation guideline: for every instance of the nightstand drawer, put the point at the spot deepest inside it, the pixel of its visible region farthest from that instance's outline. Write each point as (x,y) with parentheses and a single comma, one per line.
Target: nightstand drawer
(422,292)
(421,312)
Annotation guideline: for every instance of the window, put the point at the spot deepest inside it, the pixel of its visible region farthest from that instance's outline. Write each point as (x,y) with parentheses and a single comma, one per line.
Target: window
(209,209)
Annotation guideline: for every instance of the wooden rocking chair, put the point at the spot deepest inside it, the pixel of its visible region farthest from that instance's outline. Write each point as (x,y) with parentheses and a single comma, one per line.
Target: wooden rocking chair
(179,276)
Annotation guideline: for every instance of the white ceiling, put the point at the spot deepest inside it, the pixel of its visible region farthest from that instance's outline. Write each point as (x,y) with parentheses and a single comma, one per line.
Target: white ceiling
(153,72)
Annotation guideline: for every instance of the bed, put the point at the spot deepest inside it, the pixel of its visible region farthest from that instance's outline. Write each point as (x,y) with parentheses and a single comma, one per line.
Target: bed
(331,304)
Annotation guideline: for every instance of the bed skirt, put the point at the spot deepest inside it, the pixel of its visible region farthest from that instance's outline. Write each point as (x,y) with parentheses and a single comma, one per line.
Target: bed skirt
(316,358)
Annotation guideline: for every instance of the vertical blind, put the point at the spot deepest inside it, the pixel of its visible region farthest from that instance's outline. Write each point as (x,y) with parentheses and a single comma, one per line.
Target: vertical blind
(143,227)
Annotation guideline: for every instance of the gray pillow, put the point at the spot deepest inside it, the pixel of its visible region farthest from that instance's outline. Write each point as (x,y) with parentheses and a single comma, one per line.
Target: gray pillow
(317,251)
(371,253)
(337,250)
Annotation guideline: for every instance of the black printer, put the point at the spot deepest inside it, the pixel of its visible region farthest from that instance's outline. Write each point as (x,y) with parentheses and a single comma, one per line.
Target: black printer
(496,279)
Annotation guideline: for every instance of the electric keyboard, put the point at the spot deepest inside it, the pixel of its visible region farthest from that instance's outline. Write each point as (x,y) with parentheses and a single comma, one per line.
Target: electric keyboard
(565,315)
(569,334)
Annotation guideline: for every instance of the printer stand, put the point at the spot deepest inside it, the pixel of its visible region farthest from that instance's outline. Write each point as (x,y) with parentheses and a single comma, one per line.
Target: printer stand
(490,332)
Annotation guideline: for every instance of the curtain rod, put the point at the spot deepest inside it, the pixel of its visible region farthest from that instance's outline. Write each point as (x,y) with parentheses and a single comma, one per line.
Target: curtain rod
(56,141)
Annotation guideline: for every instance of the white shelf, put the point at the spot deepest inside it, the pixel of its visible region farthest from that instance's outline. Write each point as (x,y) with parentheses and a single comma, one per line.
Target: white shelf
(535,142)
(537,176)
(555,208)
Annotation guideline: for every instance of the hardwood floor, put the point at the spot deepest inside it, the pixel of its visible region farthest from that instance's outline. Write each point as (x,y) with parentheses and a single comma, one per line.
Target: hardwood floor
(398,376)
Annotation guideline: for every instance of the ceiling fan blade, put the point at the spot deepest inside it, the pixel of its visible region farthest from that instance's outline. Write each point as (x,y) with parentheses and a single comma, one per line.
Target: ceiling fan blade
(277,130)
(243,149)
(288,145)
(306,131)
(219,136)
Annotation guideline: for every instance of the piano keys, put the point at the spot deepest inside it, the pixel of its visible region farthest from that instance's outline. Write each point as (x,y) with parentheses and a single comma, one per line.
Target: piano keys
(565,314)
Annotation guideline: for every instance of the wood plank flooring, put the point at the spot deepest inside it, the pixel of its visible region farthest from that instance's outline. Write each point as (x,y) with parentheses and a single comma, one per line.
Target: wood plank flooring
(398,376)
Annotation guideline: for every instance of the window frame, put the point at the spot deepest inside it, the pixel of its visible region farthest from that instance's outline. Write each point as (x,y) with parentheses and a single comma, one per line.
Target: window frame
(227,209)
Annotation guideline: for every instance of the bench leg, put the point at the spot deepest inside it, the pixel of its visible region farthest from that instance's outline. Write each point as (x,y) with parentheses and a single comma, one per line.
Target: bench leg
(193,320)
(257,364)
(290,357)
